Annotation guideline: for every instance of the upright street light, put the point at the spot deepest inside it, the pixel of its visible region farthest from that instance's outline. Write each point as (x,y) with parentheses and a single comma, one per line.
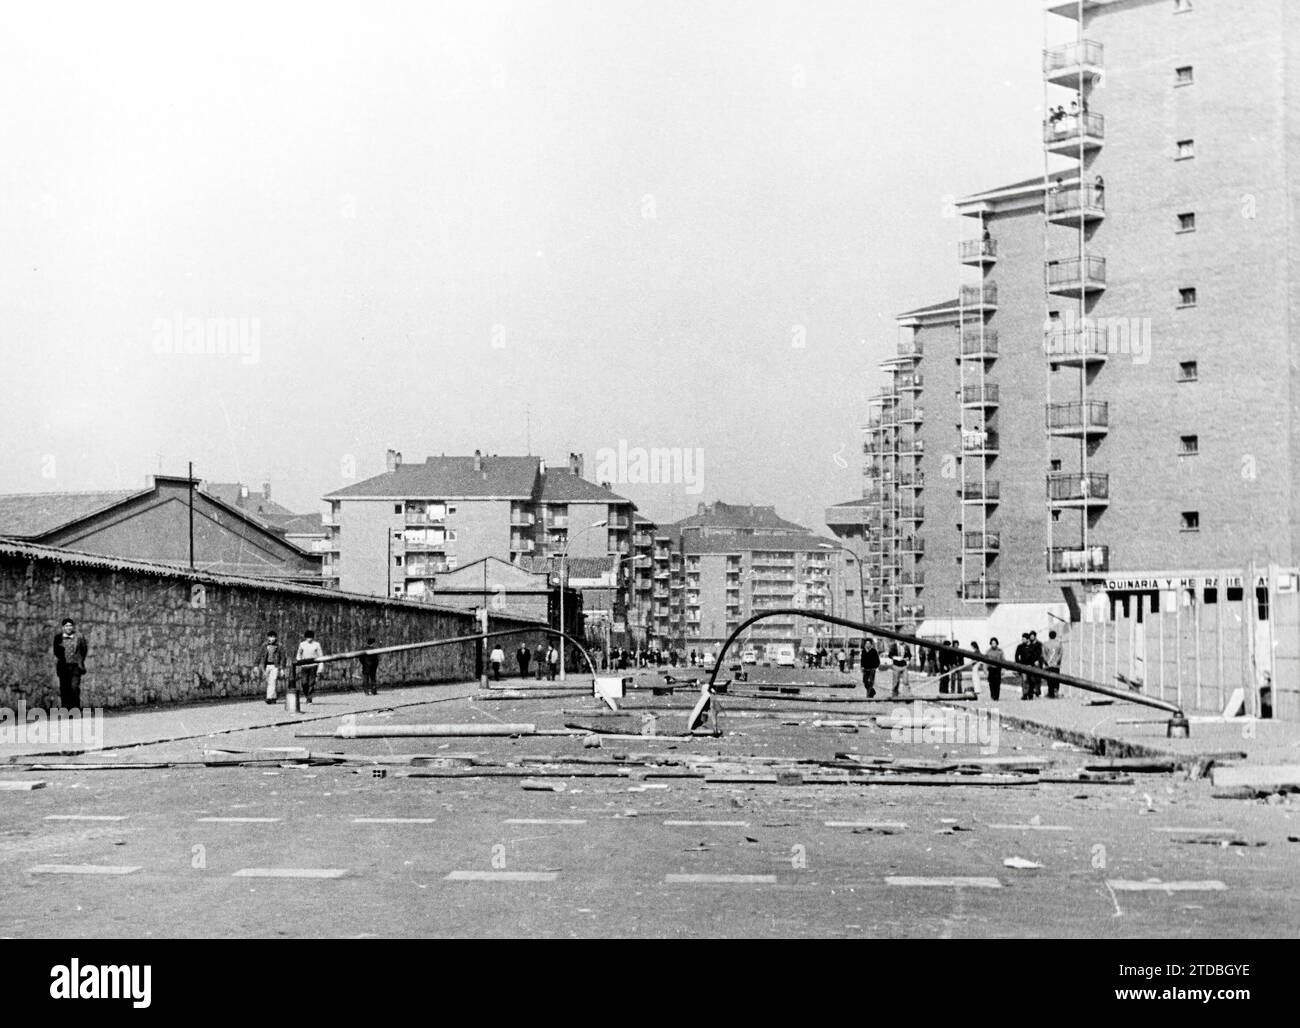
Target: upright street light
(862,591)
(564,560)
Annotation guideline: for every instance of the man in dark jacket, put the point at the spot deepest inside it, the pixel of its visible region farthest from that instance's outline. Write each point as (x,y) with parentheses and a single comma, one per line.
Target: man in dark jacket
(870,662)
(70,649)
(524,657)
(370,670)
(1035,654)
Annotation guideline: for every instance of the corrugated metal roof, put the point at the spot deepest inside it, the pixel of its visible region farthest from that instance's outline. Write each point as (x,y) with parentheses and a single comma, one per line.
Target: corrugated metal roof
(31,515)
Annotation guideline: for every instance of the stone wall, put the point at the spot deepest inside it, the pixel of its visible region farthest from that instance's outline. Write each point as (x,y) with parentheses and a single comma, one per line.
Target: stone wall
(159,634)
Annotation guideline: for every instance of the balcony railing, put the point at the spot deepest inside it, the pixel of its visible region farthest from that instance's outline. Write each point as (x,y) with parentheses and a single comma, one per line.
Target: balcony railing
(981,490)
(1075,345)
(1075,202)
(1070,277)
(1075,487)
(1063,63)
(980,590)
(978,251)
(912,513)
(985,296)
(913,544)
(1066,560)
(912,578)
(975,344)
(1066,134)
(979,442)
(1077,418)
(985,395)
(983,541)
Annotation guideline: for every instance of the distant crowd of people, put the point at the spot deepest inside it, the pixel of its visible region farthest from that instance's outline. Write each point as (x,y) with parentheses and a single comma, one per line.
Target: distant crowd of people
(950,667)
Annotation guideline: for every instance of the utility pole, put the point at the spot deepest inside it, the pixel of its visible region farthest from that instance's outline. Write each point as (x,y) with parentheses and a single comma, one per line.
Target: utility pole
(191,482)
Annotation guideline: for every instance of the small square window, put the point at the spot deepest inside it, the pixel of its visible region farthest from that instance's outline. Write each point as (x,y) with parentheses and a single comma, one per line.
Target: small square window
(1187,371)
(1187,297)
(1186,149)
(397,562)
(1056,465)
(451,508)
(1191,521)
(1188,445)
(1187,222)
(1183,75)
(397,508)
(1056,515)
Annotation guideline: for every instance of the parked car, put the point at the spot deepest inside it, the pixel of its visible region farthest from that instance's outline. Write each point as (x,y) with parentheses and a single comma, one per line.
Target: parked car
(749,655)
(785,656)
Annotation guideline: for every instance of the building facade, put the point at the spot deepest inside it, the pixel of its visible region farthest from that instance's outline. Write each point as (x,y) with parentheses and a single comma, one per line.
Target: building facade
(1113,400)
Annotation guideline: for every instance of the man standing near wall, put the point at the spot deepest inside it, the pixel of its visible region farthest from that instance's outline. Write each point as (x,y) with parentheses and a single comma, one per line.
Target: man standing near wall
(70,649)
(270,659)
(309,649)
(1053,658)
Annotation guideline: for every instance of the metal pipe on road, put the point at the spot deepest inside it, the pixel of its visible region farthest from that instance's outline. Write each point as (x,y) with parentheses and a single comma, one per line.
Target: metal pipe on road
(353,731)
(1179,720)
(475,638)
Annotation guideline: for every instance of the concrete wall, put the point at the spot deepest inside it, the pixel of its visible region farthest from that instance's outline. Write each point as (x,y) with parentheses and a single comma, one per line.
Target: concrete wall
(163,636)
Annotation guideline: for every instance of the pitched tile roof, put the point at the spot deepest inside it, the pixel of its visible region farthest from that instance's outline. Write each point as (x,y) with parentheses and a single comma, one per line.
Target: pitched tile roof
(255,502)
(32,515)
(560,485)
(739,516)
(452,478)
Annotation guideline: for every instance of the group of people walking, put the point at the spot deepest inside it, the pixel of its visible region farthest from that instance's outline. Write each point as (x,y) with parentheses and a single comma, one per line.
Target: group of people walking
(1031,653)
(272,662)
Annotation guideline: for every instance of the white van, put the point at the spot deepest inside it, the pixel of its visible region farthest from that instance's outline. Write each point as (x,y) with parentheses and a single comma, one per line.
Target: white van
(784,656)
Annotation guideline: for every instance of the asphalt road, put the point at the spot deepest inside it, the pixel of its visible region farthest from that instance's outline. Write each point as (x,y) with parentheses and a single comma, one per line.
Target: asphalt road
(350,855)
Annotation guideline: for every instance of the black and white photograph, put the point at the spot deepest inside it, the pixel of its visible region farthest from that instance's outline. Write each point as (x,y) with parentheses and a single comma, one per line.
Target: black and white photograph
(536,470)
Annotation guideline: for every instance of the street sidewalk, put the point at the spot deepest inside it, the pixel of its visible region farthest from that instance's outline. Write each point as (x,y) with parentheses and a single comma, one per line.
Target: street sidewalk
(1106,726)
(142,726)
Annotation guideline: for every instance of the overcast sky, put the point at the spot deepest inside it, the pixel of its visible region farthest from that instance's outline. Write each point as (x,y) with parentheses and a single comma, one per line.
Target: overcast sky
(621,217)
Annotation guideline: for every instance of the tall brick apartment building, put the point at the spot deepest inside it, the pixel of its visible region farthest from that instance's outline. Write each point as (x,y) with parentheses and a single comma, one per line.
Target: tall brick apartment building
(1099,434)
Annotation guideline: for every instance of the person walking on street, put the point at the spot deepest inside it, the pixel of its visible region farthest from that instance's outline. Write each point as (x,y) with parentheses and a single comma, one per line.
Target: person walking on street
(1036,660)
(1053,658)
(870,662)
(995,672)
(495,659)
(269,662)
(309,649)
(1022,657)
(370,670)
(523,657)
(552,663)
(899,659)
(70,650)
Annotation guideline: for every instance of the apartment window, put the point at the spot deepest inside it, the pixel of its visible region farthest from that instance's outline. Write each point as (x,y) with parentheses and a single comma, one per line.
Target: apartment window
(1056,465)
(1056,515)
(1188,445)
(451,508)
(1187,371)
(397,508)
(1187,222)
(397,562)
(1191,521)
(1186,149)
(1187,296)
(1183,75)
